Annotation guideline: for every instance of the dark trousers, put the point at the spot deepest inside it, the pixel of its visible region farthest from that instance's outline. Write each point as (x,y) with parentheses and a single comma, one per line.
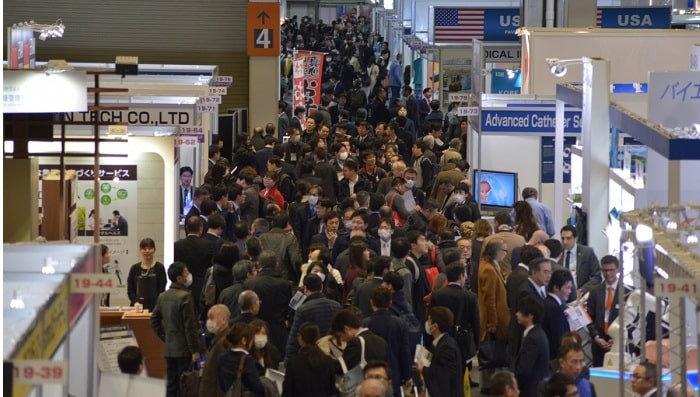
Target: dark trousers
(175,367)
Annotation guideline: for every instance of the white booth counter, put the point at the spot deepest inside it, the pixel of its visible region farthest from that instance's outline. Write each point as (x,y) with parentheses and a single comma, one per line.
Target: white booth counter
(49,333)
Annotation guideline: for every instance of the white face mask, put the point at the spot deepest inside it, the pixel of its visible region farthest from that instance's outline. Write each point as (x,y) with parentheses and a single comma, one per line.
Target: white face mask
(410,183)
(313,200)
(321,275)
(212,327)
(188,281)
(348,225)
(384,234)
(460,198)
(343,156)
(260,341)
(427,327)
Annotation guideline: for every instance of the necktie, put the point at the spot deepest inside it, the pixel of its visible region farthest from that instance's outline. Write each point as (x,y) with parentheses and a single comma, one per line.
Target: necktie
(543,294)
(568,259)
(608,307)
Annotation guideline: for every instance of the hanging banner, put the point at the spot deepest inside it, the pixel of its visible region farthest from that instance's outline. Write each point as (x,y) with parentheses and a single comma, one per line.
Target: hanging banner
(298,82)
(117,222)
(313,72)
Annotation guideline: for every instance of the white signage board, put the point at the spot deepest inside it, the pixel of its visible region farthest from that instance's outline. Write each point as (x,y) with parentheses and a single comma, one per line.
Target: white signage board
(34,91)
(674,98)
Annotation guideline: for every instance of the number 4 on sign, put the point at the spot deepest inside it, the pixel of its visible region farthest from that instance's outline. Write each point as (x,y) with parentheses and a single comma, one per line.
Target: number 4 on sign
(262,38)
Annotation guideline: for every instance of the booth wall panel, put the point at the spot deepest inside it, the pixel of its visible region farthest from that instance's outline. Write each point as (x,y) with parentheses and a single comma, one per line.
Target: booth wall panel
(157,31)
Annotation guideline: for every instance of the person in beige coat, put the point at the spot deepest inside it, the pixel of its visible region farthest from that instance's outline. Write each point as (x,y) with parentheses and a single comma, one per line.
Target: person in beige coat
(452,152)
(504,231)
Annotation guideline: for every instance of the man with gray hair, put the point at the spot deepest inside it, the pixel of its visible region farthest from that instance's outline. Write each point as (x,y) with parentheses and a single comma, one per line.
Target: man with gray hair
(242,271)
(452,152)
(276,292)
(249,302)
(371,388)
(397,170)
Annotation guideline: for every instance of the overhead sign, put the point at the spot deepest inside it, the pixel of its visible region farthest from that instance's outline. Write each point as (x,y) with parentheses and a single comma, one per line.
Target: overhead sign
(139,115)
(502,54)
(462,24)
(263,29)
(34,91)
(674,98)
(634,18)
(535,121)
(506,81)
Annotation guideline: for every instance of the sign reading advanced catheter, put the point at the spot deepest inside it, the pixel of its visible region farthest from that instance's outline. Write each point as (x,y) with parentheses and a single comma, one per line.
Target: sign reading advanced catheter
(527,121)
(263,29)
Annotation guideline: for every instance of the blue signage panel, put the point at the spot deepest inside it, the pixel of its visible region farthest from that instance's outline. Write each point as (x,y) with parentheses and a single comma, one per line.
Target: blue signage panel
(547,166)
(635,18)
(506,81)
(500,24)
(528,121)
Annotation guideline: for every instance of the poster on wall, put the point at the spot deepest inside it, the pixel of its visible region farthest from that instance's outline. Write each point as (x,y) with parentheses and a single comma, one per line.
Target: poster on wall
(547,166)
(116,224)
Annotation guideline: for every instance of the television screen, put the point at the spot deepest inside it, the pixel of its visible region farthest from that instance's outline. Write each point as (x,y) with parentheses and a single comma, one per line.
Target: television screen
(495,188)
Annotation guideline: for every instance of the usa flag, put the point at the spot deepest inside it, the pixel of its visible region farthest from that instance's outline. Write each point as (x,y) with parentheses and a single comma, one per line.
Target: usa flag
(458,25)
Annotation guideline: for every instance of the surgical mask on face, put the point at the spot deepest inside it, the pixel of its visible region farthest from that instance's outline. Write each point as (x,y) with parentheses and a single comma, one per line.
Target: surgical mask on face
(410,183)
(260,341)
(188,281)
(343,156)
(384,234)
(313,200)
(321,275)
(460,198)
(212,327)
(348,225)
(427,327)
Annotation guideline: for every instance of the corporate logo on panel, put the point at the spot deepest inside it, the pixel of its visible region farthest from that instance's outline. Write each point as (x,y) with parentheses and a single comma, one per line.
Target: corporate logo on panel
(500,24)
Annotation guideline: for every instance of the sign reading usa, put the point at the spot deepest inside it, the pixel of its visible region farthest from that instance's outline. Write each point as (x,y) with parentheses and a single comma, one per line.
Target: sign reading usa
(462,24)
(634,18)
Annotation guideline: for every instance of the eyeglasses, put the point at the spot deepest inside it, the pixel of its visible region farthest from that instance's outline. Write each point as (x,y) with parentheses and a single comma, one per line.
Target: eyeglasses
(639,376)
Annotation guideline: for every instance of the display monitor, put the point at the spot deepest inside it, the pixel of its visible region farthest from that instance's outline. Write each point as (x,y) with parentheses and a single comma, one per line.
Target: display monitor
(495,188)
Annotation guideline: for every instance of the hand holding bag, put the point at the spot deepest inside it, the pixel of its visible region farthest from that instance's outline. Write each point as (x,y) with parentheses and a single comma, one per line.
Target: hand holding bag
(189,382)
(492,353)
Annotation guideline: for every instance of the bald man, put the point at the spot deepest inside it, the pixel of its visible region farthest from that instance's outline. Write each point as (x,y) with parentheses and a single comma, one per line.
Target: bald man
(537,240)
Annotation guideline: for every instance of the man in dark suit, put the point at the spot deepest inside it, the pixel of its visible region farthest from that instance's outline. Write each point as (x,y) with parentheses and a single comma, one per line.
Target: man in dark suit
(603,307)
(424,106)
(327,237)
(644,380)
(395,332)
(326,172)
(352,181)
(360,297)
(201,194)
(462,303)
(580,258)
(249,302)
(536,288)
(532,361)
(412,107)
(194,251)
(444,376)
(316,309)
(555,323)
(276,293)
(348,327)
(119,222)
(264,154)
(360,221)
(518,277)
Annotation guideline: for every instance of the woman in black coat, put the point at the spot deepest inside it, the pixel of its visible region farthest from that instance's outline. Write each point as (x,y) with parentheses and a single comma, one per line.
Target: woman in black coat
(311,373)
(238,343)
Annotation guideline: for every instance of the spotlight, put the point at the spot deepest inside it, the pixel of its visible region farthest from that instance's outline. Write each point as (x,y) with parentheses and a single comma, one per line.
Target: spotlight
(16,303)
(558,67)
(644,234)
(558,70)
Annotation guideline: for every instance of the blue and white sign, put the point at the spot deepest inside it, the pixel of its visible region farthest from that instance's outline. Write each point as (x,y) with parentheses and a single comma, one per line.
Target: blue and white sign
(634,18)
(535,121)
(505,81)
(500,24)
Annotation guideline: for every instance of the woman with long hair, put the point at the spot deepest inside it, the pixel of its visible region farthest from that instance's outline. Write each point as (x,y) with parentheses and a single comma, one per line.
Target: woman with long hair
(493,304)
(312,372)
(482,229)
(525,222)
(437,223)
(358,256)
(266,355)
(237,361)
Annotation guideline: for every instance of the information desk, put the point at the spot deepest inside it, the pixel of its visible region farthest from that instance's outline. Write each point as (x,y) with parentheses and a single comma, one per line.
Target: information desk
(152,348)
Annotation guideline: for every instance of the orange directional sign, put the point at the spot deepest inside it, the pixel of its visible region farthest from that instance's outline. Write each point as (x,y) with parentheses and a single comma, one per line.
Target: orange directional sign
(263,29)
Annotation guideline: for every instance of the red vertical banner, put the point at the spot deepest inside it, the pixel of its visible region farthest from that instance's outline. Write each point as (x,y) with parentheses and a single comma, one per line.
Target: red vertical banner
(298,82)
(313,72)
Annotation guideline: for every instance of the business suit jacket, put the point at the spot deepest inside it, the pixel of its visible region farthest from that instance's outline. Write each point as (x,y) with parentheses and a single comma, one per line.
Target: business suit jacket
(316,309)
(444,376)
(209,385)
(394,331)
(329,178)
(363,294)
(195,253)
(275,293)
(375,349)
(493,304)
(261,157)
(596,309)
(308,378)
(554,324)
(515,330)
(361,185)
(587,267)
(175,322)
(451,297)
(288,251)
(532,361)
(515,281)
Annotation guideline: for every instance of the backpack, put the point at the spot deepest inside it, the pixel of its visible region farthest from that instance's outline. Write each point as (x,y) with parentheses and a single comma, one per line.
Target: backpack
(290,192)
(395,215)
(357,99)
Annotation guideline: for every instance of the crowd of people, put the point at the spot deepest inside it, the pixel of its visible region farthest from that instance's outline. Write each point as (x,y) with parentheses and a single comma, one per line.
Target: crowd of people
(343,239)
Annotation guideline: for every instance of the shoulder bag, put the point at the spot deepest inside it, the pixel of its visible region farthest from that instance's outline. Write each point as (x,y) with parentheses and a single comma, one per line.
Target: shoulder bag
(237,389)
(348,382)
(464,336)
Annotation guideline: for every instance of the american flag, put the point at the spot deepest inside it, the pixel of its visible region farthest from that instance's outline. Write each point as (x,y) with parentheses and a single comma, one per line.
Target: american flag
(598,17)
(458,25)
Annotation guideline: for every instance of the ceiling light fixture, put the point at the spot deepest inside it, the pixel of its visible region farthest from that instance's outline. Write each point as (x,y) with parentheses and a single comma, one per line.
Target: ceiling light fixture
(558,67)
